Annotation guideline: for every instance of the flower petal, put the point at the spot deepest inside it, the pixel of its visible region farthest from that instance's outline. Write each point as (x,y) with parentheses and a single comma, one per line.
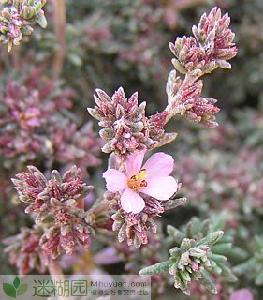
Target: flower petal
(243,294)
(132,202)
(159,164)
(160,188)
(133,163)
(116,180)
(107,256)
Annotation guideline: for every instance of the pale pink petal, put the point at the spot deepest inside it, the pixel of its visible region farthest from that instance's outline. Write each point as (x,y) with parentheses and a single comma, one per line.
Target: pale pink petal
(160,188)
(243,294)
(159,164)
(132,202)
(116,181)
(133,163)
(107,256)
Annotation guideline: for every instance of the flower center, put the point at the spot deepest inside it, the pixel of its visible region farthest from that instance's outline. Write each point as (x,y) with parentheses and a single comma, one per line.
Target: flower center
(137,181)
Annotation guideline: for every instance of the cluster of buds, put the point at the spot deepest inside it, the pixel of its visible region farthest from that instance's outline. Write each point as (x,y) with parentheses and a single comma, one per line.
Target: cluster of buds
(24,251)
(17,18)
(68,230)
(184,98)
(126,129)
(188,263)
(210,48)
(135,228)
(124,123)
(36,122)
(197,254)
(55,205)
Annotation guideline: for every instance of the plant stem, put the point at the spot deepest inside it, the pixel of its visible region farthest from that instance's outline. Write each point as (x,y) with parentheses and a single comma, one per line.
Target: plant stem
(55,269)
(101,208)
(16,57)
(57,276)
(59,21)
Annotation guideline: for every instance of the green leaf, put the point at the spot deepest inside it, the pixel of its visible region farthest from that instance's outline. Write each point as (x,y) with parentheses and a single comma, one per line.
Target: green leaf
(185,276)
(259,243)
(41,20)
(9,290)
(155,269)
(22,289)
(259,279)
(228,274)
(236,254)
(178,66)
(172,231)
(75,59)
(219,259)
(219,222)
(227,237)
(246,267)
(187,243)
(215,268)
(175,251)
(16,282)
(208,282)
(211,238)
(193,227)
(221,248)
(174,234)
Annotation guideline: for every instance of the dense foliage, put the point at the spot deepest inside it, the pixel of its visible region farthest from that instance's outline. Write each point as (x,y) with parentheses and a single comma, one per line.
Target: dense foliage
(98,189)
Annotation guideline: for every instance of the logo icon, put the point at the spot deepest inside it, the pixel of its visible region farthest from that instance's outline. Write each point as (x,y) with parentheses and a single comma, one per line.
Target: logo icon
(14,289)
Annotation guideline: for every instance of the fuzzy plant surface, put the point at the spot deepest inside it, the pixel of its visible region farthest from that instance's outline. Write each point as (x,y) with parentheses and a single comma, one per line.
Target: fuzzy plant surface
(196,253)
(105,211)
(61,225)
(254,265)
(36,123)
(17,18)
(128,133)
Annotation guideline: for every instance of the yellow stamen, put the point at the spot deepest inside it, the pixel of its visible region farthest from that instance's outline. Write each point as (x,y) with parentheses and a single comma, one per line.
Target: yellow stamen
(137,181)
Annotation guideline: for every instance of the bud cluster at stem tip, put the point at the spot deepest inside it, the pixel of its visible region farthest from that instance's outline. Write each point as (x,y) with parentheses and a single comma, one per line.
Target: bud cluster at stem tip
(17,18)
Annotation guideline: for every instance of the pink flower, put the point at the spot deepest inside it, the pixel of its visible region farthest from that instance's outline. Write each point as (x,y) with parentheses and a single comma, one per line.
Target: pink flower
(243,294)
(152,179)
